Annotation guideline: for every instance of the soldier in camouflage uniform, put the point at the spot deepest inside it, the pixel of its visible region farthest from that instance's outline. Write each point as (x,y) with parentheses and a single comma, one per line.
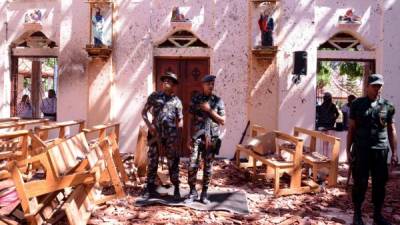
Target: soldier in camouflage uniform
(371,133)
(208,113)
(164,130)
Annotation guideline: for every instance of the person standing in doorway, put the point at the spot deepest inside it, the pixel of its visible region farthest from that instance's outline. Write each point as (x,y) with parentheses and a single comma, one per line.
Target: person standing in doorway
(346,111)
(370,136)
(327,113)
(208,114)
(24,108)
(165,131)
(49,105)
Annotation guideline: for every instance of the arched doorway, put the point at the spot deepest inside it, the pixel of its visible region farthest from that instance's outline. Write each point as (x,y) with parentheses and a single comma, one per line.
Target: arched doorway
(33,70)
(344,61)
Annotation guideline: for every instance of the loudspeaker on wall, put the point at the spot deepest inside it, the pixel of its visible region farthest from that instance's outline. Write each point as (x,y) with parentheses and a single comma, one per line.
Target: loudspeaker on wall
(300,63)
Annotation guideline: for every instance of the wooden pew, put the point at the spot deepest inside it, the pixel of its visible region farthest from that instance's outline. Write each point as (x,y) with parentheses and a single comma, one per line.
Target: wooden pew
(67,164)
(80,203)
(10,119)
(276,167)
(43,131)
(63,167)
(317,160)
(21,124)
(14,145)
(109,131)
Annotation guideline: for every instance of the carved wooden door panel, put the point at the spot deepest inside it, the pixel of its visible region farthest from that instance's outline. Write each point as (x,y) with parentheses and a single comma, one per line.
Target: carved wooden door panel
(190,72)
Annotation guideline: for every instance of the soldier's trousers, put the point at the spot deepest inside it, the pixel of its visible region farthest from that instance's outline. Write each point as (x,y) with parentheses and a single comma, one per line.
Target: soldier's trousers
(368,162)
(199,152)
(173,158)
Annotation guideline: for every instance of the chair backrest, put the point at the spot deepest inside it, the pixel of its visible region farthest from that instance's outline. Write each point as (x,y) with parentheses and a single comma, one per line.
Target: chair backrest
(14,145)
(257,130)
(43,131)
(317,135)
(21,124)
(11,119)
(296,141)
(69,153)
(103,131)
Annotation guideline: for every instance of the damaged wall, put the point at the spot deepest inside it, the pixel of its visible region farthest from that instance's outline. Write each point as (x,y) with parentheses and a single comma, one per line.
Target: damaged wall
(73,80)
(307,24)
(116,90)
(295,32)
(390,41)
(134,47)
(4,76)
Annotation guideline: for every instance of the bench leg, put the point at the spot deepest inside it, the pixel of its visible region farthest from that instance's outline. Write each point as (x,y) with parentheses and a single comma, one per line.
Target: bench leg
(277,181)
(269,172)
(254,168)
(332,180)
(238,158)
(315,172)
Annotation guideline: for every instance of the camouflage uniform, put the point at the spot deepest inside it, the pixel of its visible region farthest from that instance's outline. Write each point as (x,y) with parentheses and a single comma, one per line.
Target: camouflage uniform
(370,148)
(199,123)
(166,111)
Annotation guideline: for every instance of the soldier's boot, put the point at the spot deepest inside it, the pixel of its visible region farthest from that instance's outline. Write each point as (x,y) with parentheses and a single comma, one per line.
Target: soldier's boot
(177,193)
(193,195)
(150,192)
(204,197)
(357,217)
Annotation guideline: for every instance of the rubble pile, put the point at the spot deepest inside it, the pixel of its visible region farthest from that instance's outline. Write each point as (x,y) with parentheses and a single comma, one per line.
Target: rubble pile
(330,206)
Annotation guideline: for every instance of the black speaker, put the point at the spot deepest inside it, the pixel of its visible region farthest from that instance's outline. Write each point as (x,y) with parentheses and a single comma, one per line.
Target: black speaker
(300,63)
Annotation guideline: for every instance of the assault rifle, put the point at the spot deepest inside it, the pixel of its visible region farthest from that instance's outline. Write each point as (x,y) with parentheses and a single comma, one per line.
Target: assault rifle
(206,134)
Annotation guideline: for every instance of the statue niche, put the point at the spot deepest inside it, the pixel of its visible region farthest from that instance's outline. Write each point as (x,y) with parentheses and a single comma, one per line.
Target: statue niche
(101,13)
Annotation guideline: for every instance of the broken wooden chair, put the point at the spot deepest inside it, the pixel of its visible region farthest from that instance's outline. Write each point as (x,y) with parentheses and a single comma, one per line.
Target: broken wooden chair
(314,158)
(276,166)
(109,131)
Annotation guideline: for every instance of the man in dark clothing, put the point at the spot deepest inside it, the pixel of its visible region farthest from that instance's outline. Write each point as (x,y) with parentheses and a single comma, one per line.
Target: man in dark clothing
(346,111)
(208,113)
(164,131)
(327,113)
(371,133)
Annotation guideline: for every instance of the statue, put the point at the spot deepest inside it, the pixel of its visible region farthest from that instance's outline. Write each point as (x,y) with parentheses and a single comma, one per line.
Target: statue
(349,17)
(33,16)
(98,24)
(266,24)
(177,16)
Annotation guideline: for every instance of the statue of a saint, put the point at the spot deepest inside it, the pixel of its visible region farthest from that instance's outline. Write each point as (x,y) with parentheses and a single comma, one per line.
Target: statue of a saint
(266,24)
(177,16)
(98,24)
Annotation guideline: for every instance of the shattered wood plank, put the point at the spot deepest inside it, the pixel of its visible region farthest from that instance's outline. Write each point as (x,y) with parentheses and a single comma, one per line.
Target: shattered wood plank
(291,220)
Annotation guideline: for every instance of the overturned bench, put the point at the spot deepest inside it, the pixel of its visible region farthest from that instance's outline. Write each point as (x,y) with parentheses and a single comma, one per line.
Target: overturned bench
(68,164)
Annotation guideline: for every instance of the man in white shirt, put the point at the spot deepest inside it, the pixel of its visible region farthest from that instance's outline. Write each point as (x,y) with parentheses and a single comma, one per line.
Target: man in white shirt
(49,105)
